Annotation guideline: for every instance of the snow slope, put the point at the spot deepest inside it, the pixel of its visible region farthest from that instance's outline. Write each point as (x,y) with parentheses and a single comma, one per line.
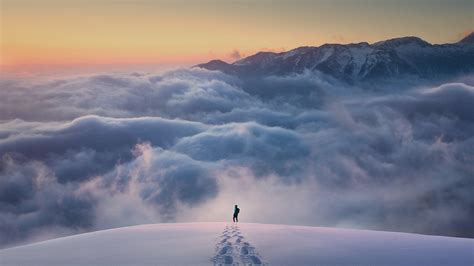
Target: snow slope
(242,244)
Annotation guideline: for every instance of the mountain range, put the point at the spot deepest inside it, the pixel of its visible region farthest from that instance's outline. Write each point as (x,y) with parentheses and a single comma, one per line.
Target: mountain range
(356,62)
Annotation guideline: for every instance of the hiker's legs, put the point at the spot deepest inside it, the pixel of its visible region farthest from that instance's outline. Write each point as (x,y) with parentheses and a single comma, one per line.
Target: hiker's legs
(233,219)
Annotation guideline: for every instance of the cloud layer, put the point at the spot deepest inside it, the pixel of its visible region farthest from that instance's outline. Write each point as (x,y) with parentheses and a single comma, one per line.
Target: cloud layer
(93,152)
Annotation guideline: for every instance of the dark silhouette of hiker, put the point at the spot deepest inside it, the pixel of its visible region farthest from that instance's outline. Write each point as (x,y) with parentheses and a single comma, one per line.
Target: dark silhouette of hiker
(236,214)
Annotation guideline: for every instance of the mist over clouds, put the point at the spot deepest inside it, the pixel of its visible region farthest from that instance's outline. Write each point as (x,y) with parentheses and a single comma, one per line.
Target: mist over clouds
(93,152)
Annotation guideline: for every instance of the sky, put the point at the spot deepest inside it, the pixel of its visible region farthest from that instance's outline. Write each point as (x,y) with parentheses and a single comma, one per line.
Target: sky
(144,32)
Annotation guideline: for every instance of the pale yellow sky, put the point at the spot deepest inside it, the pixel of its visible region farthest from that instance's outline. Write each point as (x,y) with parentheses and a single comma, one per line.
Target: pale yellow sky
(164,31)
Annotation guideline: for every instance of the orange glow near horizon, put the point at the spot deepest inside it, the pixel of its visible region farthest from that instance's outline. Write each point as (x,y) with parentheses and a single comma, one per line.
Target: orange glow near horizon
(95,35)
(101,32)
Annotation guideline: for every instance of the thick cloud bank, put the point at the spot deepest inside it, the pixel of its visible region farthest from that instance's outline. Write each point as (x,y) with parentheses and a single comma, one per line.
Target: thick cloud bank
(93,152)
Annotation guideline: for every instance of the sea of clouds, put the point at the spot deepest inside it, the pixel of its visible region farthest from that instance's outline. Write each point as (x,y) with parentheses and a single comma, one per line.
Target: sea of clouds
(92,152)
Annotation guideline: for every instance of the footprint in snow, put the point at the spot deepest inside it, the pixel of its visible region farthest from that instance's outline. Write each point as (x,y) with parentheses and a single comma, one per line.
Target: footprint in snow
(232,250)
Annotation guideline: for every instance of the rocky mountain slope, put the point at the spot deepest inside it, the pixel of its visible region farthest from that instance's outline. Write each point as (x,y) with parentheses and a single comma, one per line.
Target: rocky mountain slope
(390,59)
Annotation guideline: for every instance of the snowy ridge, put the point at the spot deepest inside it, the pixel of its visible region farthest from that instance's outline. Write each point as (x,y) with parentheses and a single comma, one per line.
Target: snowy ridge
(228,244)
(394,58)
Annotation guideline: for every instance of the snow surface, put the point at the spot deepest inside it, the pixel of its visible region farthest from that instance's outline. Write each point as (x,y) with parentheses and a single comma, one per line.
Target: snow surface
(242,244)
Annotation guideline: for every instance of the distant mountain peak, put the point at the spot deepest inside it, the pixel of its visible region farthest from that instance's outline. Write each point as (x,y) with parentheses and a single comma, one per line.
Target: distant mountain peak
(217,62)
(468,38)
(215,65)
(403,41)
(382,61)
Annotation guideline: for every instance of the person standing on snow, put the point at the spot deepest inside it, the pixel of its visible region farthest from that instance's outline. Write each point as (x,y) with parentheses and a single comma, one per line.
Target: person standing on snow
(236,214)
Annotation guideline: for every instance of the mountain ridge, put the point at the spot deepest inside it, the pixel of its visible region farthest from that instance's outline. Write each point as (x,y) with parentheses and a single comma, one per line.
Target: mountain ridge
(220,243)
(393,58)
(468,38)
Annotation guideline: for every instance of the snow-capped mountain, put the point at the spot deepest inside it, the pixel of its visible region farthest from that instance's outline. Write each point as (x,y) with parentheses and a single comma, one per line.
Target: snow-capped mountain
(394,58)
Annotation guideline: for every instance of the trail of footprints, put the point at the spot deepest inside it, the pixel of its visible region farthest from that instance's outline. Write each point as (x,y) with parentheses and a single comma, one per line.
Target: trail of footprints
(232,249)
